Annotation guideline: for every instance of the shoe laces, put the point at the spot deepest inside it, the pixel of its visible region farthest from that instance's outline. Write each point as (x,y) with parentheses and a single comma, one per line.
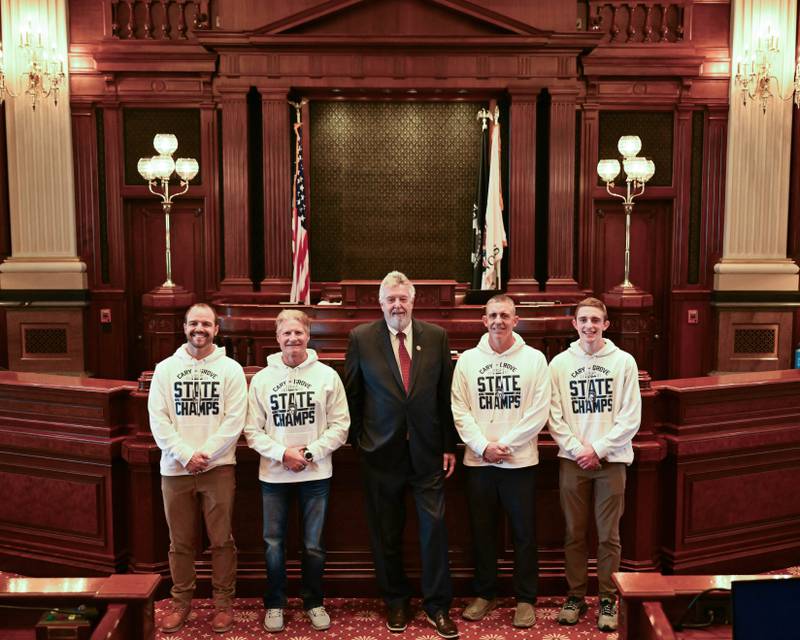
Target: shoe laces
(573,603)
(274,613)
(317,611)
(608,607)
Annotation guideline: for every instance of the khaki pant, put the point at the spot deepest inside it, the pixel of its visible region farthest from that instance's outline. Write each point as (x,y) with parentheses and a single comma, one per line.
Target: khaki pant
(576,486)
(185,498)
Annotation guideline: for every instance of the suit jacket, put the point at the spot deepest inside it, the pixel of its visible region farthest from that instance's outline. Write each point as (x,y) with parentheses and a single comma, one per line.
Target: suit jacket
(385,420)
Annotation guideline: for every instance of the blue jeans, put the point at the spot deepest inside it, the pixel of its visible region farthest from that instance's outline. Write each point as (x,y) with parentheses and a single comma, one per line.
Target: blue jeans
(313,500)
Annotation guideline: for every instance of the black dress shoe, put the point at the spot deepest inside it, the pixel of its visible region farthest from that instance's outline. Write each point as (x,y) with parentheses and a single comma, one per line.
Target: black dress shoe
(397,618)
(445,627)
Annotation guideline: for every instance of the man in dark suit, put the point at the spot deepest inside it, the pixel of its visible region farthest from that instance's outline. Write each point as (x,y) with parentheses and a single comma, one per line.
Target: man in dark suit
(397,378)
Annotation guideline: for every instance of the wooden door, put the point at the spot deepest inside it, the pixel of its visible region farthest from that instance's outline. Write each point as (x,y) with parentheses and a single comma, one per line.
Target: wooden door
(145,246)
(651,224)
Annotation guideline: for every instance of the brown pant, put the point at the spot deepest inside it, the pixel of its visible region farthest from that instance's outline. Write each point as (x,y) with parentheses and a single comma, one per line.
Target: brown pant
(185,497)
(576,486)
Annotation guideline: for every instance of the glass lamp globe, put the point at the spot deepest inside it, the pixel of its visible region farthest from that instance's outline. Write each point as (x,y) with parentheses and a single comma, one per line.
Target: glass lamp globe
(186,168)
(145,168)
(629,146)
(165,143)
(608,170)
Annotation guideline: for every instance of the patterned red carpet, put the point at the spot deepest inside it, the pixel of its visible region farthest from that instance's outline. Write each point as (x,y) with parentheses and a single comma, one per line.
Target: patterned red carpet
(363,619)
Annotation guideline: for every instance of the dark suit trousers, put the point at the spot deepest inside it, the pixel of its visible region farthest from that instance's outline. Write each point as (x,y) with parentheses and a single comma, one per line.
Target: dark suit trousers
(386,513)
(489,489)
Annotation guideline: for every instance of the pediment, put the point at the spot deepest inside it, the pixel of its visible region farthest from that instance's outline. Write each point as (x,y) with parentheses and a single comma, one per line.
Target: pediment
(393,18)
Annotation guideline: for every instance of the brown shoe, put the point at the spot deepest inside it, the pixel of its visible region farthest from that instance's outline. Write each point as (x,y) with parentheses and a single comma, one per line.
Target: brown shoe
(397,618)
(223,620)
(174,618)
(445,627)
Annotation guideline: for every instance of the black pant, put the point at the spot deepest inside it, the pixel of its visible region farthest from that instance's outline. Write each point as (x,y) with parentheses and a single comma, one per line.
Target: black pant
(514,489)
(386,513)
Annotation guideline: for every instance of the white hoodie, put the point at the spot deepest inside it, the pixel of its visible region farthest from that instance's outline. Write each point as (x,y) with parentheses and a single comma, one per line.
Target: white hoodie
(596,400)
(197,406)
(296,406)
(501,397)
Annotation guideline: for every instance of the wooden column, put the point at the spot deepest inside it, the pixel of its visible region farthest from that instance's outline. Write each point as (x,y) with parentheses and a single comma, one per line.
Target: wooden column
(713,190)
(561,249)
(590,127)
(277,193)
(522,185)
(236,209)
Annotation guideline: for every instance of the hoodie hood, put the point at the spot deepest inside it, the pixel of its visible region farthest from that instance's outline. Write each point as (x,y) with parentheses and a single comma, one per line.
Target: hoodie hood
(485,347)
(275,360)
(608,349)
(183,355)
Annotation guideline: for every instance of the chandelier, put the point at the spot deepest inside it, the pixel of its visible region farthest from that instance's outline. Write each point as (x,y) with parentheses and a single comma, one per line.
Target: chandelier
(755,78)
(43,75)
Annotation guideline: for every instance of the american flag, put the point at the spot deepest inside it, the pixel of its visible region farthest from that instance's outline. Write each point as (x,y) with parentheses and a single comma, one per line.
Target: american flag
(301,280)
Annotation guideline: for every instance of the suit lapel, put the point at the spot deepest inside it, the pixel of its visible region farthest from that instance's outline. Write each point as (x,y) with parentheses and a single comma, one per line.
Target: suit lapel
(418,357)
(386,346)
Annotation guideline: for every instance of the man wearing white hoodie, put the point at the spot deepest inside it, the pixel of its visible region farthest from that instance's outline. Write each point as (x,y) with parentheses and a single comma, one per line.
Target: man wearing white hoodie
(595,412)
(297,418)
(500,401)
(197,405)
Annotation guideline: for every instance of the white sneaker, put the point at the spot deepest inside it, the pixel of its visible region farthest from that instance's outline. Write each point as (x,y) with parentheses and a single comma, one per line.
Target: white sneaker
(320,619)
(273,620)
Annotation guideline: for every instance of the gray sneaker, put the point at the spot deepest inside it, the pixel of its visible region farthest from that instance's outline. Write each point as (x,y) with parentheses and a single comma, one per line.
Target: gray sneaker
(524,615)
(273,620)
(320,619)
(572,610)
(478,608)
(607,615)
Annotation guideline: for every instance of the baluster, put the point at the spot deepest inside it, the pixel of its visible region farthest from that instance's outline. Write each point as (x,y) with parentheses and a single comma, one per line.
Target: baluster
(648,25)
(680,14)
(614,26)
(115,19)
(597,19)
(202,18)
(251,359)
(148,19)
(664,23)
(165,27)
(182,19)
(127,32)
(631,30)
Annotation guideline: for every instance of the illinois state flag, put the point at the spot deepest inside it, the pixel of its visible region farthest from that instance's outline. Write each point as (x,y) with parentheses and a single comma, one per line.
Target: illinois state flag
(301,278)
(494,234)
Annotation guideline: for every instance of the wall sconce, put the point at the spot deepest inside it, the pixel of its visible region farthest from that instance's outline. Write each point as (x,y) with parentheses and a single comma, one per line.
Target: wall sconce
(43,76)
(637,172)
(160,168)
(754,76)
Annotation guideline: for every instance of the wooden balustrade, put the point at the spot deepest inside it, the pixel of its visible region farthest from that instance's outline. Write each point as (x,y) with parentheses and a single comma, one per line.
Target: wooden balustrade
(160,19)
(639,22)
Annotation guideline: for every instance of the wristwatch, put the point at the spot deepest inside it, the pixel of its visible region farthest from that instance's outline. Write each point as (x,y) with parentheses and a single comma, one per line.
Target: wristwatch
(308,456)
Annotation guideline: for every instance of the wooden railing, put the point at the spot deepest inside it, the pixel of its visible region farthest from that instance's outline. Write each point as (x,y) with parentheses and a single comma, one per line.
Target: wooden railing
(160,19)
(639,22)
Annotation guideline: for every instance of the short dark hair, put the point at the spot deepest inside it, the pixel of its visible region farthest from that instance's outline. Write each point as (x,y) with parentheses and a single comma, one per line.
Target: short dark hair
(201,305)
(592,302)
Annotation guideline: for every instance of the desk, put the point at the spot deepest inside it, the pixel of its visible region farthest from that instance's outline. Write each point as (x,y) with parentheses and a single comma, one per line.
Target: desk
(650,602)
(125,602)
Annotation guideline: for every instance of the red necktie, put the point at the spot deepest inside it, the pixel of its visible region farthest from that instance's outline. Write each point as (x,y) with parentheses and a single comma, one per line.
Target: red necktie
(405,359)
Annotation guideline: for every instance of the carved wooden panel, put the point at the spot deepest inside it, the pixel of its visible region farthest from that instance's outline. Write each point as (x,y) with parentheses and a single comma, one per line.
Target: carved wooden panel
(754,340)
(42,339)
